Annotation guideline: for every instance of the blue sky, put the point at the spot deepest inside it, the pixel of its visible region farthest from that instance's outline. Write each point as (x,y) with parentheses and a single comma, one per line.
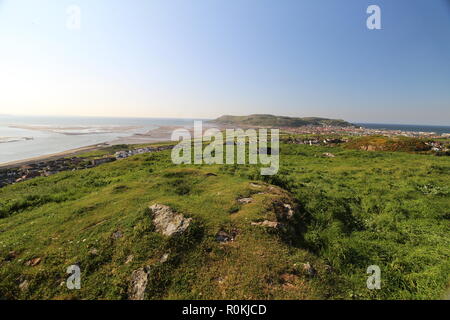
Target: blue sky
(205,58)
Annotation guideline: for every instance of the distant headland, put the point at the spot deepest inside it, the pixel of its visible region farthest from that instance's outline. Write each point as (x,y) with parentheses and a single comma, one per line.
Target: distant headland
(279,121)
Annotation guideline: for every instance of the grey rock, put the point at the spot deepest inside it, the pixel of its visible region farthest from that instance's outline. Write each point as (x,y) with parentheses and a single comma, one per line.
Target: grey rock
(167,221)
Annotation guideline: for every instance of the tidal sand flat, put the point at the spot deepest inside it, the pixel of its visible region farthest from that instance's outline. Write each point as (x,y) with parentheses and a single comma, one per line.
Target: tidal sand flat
(25,138)
(78,130)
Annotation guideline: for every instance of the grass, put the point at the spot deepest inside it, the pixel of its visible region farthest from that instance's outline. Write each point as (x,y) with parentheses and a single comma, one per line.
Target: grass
(355,210)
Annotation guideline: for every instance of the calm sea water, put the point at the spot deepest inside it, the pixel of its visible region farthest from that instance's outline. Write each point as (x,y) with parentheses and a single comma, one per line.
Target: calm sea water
(20,143)
(41,142)
(406,127)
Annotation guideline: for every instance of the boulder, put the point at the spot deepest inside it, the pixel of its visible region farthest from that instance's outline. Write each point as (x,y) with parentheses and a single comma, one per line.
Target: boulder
(167,221)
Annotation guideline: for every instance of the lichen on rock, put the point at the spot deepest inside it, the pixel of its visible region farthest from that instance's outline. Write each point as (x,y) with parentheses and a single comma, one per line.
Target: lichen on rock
(167,221)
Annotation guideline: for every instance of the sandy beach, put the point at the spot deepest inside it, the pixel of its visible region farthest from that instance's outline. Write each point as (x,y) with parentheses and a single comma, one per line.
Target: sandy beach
(77,130)
(161,134)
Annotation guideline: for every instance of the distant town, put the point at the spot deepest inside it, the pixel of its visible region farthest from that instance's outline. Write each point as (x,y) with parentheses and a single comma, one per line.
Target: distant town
(361,131)
(48,168)
(309,135)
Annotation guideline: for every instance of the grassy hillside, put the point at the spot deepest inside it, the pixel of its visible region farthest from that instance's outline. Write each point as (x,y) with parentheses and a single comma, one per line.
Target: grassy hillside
(351,211)
(268,120)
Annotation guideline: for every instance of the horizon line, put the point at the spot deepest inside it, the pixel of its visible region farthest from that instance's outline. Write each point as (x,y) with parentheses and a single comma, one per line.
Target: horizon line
(206,118)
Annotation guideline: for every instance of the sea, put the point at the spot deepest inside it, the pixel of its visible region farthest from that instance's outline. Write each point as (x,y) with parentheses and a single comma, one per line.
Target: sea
(406,127)
(24,137)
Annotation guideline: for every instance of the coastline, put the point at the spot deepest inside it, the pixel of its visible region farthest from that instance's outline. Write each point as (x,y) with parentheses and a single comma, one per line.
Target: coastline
(160,134)
(156,135)
(53,156)
(76,130)
(163,134)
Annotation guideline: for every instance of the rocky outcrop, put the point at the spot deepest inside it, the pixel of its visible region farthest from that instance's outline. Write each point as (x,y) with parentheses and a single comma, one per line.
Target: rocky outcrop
(167,221)
(283,218)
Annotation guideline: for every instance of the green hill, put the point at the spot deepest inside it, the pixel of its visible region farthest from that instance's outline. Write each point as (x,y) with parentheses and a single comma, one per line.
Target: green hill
(308,232)
(268,120)
(99,219)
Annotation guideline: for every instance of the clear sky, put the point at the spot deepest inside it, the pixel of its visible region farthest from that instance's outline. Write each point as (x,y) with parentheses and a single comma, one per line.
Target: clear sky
(205,58)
